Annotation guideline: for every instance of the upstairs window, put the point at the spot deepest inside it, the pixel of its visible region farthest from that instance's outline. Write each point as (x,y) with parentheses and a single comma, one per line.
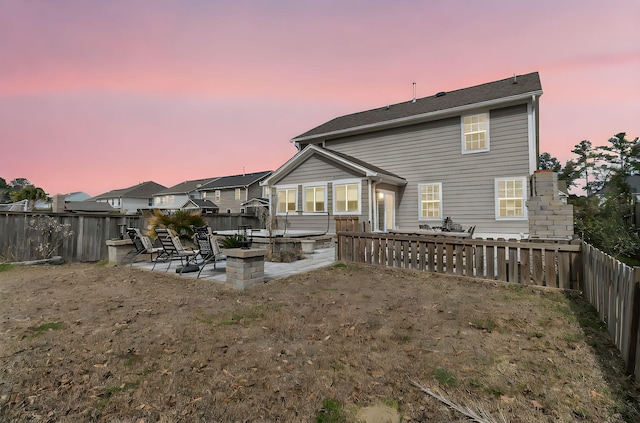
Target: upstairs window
(287,199)
(314,199)
(475,133)
(217,195)
(510,198)
(430,201)
(238,194)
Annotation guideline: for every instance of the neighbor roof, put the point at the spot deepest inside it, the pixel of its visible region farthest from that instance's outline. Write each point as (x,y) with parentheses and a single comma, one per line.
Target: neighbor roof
(142,190)
(505,89)
(185,187)
(236,181)
(88,206)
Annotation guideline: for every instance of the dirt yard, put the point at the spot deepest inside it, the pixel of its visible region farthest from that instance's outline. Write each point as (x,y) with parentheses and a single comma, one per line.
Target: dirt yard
(80,342)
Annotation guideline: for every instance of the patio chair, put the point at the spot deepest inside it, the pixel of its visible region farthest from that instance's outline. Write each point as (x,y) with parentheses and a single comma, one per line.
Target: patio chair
(142,245)
(174,250)
(208,246)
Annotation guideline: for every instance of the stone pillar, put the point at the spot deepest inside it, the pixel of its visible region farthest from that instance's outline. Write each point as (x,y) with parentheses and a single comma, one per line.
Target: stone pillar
(245,267)
(118,249)
(550,217)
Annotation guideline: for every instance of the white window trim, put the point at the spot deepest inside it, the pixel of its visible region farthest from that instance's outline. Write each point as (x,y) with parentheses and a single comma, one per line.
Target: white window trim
(525,189)
(304,197)
(217,195)
(347,182)
(282,188)
(463,140)
(429,219)
(237,194)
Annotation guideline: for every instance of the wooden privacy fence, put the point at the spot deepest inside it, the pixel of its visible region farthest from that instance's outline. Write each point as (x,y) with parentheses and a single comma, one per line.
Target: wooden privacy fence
(538,263)
(88,242)
(613,288)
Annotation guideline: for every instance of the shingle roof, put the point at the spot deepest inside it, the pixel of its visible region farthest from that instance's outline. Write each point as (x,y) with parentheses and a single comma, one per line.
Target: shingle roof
(186,186)
(236,181)
(88,206)
(503,89)
(142,190)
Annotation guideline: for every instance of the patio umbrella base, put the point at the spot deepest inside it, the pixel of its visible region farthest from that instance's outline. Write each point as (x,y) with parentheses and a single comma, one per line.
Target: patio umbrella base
(188,268)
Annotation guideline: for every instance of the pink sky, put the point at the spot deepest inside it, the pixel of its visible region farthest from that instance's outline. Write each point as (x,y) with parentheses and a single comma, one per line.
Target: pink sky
(98,95)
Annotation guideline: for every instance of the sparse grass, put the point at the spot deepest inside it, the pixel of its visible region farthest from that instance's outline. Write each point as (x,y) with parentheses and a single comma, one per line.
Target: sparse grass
(445,378)
(5,267)
(331,412)
(122,388)
(474,383)
(102,263)
(391,403)
(488,325)
(401,338)
(45,327)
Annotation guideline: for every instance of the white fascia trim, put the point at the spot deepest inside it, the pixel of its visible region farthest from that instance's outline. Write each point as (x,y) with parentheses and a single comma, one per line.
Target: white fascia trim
(531,116)
(422,117)
(311,149)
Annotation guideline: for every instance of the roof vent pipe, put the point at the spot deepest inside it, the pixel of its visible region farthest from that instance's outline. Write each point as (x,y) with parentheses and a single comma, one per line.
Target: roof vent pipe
(515,79)
(414,92)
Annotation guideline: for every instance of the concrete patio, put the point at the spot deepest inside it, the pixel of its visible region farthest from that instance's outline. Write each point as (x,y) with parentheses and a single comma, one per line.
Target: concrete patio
(319,258)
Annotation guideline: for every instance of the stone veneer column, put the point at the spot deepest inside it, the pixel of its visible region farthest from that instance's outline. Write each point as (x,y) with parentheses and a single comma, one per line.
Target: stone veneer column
(245,267)
(549,215)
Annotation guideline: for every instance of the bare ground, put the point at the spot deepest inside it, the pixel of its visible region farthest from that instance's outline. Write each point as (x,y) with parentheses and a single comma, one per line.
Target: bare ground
(79,342)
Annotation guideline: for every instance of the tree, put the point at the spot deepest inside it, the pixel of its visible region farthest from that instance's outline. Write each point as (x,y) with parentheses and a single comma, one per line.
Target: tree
(605,216)
(547,162)
(585,162)
(29,193)
(19,183)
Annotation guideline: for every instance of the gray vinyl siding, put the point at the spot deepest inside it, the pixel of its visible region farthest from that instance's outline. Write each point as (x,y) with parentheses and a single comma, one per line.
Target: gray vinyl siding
(316,169)
(320,222)
(431,152)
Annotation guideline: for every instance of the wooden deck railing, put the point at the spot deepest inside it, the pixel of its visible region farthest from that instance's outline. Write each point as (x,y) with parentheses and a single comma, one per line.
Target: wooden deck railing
(610,286)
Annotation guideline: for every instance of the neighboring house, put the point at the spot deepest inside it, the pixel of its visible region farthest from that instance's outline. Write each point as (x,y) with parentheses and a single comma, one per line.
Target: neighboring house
(465,154)
(133,199)
(175,197)
(76,196)
(230,192)
(22,205)
(203,206)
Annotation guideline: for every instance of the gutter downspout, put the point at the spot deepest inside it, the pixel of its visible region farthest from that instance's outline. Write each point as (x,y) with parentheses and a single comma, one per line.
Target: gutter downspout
(372,201)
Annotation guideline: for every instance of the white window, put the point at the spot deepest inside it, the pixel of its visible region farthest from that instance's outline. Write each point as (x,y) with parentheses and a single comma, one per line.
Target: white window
(430,201)
(475,133)
(346,197)
(511,196)
(315,199)
(217,195)
(238,194)
(287,199)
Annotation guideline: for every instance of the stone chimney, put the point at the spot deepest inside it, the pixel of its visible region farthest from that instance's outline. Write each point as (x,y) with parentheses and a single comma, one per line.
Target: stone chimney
(550,217)
(57,203)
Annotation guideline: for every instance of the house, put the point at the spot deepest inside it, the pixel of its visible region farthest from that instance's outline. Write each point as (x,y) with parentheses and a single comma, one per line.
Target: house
(230,192)
(175,197)
(131,200)
(465,154)
(203,206)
